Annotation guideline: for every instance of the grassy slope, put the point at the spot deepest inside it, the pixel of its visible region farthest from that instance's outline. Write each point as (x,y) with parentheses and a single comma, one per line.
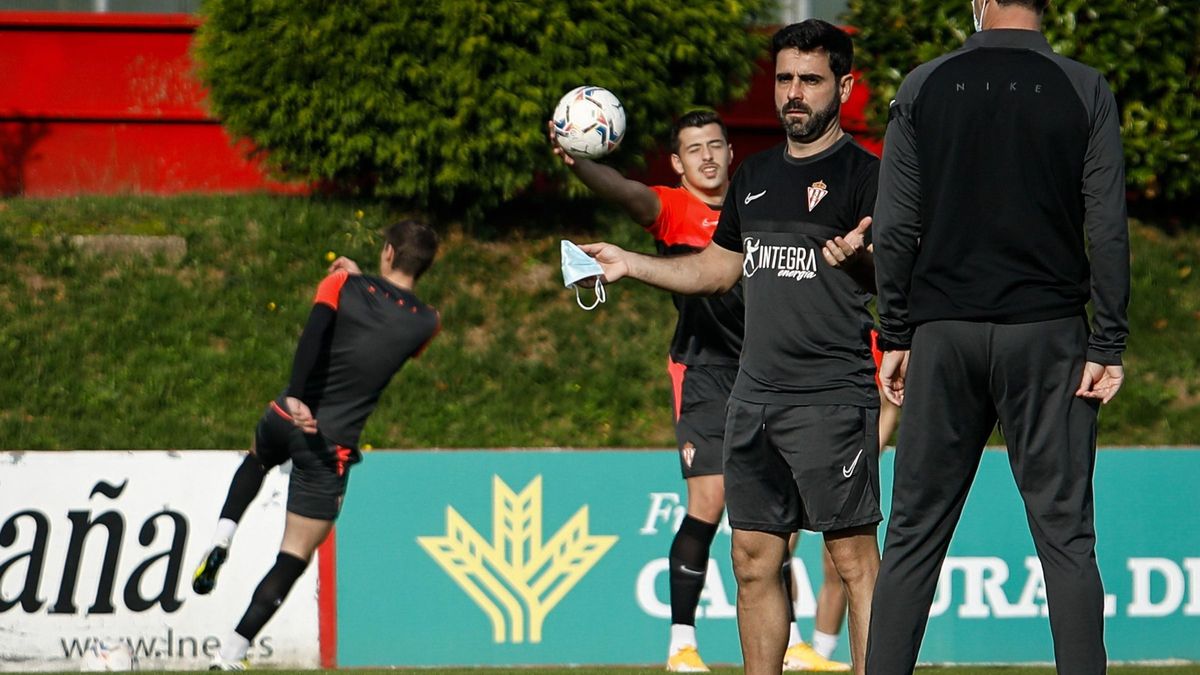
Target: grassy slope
(1161,402)
(128,354)
(112,353)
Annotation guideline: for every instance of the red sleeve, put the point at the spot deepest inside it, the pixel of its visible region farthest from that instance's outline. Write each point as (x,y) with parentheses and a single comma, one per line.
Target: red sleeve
(683,219)
(660,228)
(330,289)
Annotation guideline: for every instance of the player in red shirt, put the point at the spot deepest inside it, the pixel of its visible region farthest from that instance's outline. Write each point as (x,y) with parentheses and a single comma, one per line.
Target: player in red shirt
(703,363)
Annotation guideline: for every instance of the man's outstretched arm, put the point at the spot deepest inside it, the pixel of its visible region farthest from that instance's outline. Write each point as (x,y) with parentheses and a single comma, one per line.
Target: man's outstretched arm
(711,271)
(638,200)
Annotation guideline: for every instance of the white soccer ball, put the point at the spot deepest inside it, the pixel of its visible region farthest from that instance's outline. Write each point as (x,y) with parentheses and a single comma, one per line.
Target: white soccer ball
(107,655)
(589,122)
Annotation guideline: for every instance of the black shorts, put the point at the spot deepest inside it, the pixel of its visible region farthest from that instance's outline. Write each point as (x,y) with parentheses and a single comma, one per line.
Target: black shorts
(700,394)
(320,467)
(791,467)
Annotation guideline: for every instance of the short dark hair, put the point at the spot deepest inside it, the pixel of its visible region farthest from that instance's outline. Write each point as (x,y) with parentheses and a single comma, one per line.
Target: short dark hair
(696,118)
(1038,6)
(415,244)
(816,35)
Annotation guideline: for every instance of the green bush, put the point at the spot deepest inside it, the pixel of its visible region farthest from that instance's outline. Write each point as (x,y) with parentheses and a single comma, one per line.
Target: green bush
(1148,50)
(443,104)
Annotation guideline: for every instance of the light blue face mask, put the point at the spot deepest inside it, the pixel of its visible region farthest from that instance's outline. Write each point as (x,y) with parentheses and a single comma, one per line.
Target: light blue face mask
(577,266)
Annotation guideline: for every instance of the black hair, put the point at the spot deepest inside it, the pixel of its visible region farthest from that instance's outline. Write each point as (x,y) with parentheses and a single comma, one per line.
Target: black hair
(696,118)
(415,244)
(816,35)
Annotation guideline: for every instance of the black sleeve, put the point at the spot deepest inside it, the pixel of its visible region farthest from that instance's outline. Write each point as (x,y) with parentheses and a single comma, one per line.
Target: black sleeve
(1107,231)
(897,222)
(312,343)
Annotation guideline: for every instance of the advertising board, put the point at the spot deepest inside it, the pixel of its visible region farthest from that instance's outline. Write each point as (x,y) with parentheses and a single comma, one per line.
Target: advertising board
(102,545)
(543,557)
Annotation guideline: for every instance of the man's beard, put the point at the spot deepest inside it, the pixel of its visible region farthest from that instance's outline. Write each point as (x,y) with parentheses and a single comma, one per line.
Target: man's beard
(808,131)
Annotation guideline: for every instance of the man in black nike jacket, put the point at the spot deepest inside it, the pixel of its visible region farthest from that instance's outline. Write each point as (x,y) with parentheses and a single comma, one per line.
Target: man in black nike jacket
(1000,215)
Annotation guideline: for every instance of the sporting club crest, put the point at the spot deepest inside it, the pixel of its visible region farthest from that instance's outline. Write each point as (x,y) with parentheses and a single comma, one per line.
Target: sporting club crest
(688,453)
(816,192)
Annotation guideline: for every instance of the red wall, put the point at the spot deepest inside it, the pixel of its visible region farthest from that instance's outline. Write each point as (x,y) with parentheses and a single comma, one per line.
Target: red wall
(109,103)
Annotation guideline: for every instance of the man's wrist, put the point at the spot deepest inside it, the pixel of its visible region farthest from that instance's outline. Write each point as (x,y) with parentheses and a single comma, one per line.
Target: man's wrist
(633,266)
(1104,358)
(893,345)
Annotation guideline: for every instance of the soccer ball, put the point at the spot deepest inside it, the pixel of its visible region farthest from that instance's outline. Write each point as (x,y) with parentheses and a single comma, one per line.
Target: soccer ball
(589,122)
(107,655)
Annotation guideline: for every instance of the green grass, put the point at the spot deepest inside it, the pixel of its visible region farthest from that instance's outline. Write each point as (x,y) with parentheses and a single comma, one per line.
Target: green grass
(129,353)
(1160,402)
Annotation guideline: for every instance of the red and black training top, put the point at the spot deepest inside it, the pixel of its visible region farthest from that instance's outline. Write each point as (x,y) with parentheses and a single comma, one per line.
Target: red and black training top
(361,331)
(709,329)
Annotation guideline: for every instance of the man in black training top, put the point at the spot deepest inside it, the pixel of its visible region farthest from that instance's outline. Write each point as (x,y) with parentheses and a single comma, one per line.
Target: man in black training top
(360,332)
(801,436)
(1002,175)
(702,363)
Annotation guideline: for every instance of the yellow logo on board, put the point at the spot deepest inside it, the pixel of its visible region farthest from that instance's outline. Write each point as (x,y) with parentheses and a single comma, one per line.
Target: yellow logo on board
(518,578)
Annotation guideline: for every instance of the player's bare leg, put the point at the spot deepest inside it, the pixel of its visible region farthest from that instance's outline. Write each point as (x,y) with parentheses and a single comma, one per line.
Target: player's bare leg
(706,497)
(855,554)
(689,567)
(762,603)
(889,418)
(831,607)
(301,537)
(800,655)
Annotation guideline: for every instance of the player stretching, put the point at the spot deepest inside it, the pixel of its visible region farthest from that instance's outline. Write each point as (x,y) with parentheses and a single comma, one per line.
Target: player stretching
(702,362)
(361,330)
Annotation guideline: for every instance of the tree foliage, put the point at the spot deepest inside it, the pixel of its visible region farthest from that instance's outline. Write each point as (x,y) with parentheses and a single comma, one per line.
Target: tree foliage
(1147,49)
(443,103)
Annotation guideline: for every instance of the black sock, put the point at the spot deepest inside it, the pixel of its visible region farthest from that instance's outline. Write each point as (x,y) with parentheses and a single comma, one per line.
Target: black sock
(786,573)
(244,487)
(270,594)
(689,565)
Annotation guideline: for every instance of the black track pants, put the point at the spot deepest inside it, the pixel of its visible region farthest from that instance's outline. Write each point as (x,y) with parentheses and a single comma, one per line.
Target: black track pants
(962,378)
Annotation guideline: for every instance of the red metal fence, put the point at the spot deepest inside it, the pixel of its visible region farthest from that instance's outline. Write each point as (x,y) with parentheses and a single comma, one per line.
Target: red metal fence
(109,103)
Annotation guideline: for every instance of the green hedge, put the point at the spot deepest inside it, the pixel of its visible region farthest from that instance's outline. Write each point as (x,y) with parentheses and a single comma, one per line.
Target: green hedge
(1148,50)
(112,352)
(443,104)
